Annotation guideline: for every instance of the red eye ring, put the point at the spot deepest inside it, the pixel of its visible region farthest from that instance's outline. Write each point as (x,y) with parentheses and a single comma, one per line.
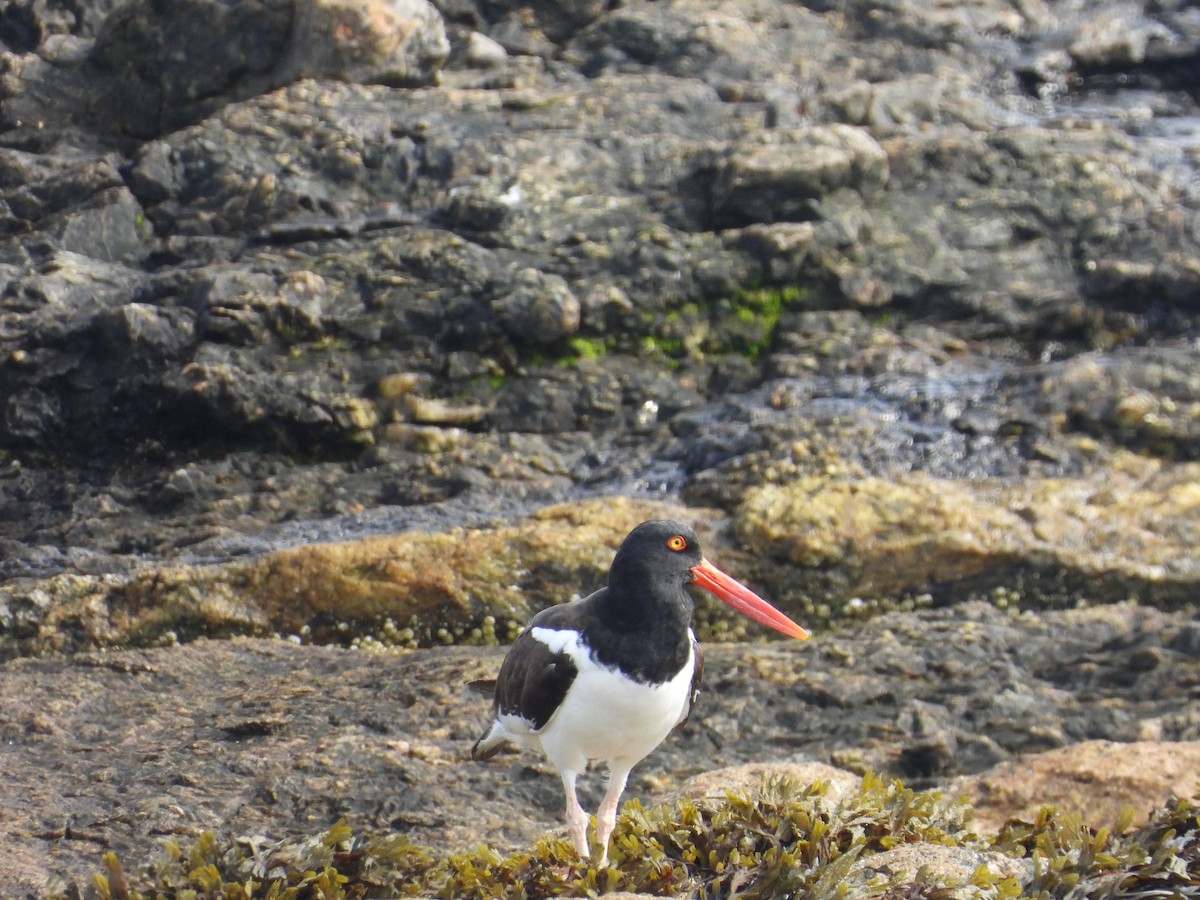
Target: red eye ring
(676,542)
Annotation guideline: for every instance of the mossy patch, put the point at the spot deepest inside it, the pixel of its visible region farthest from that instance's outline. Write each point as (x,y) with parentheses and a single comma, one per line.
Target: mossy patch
(784,839)
(747,320)
(590,347)
(740,324)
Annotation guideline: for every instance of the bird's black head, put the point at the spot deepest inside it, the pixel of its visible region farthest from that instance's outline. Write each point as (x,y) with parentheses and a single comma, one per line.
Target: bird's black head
(643,616)
(657,556)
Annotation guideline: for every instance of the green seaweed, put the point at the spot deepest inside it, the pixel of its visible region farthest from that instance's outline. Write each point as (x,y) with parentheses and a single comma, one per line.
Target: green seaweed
(1072,860)
(785,839)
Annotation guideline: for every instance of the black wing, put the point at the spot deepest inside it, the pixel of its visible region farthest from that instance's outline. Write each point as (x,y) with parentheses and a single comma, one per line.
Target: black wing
(533,681)
(533,678)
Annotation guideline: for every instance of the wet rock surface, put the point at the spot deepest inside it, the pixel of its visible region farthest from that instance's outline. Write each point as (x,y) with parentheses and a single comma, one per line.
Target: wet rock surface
(287,281)
(380,322)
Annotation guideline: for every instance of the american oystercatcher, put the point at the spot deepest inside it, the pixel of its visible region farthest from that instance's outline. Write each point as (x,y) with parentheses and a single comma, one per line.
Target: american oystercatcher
(607,678)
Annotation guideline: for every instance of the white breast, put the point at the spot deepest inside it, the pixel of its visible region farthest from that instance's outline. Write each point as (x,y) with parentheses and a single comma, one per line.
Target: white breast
(605,715)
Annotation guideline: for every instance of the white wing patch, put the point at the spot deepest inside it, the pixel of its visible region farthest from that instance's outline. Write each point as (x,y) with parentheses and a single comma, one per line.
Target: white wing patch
(559,641)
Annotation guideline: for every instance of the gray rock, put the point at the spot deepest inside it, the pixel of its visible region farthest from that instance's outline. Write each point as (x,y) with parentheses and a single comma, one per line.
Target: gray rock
(397,42)
(161,67)
(539,309)
(482,52)
(1116,39)
(1145,398)
(111,228)
(152,68)
(44,195)
(779,177)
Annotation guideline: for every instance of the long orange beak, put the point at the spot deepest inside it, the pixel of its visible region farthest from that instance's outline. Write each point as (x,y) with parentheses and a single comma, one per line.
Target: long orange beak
(731,591)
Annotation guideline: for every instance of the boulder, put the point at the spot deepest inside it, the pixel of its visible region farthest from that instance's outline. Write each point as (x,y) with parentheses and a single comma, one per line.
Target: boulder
(1100,781)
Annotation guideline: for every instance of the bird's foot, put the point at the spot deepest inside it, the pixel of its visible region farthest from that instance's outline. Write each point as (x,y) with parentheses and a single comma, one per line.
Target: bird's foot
(577,831)
(582,848)
(606,821)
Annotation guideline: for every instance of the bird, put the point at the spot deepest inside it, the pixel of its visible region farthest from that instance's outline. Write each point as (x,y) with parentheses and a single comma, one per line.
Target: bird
(607,677)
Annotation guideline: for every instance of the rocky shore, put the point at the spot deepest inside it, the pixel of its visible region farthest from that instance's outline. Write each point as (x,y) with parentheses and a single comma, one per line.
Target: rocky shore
(123,750)
(333,327)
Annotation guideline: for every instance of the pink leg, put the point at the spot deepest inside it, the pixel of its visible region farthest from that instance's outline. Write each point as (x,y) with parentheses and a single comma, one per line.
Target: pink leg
(606,815)
(576,818)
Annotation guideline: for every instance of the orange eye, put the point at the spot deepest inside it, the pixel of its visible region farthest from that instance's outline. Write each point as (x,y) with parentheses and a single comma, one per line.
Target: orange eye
(676,542)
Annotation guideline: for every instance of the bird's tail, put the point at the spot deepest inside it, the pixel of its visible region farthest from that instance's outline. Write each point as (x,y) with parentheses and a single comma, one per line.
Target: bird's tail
(490,743)
(485,686)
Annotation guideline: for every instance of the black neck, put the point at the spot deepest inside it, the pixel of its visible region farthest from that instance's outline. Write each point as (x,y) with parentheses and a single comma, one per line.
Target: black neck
(645,634)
